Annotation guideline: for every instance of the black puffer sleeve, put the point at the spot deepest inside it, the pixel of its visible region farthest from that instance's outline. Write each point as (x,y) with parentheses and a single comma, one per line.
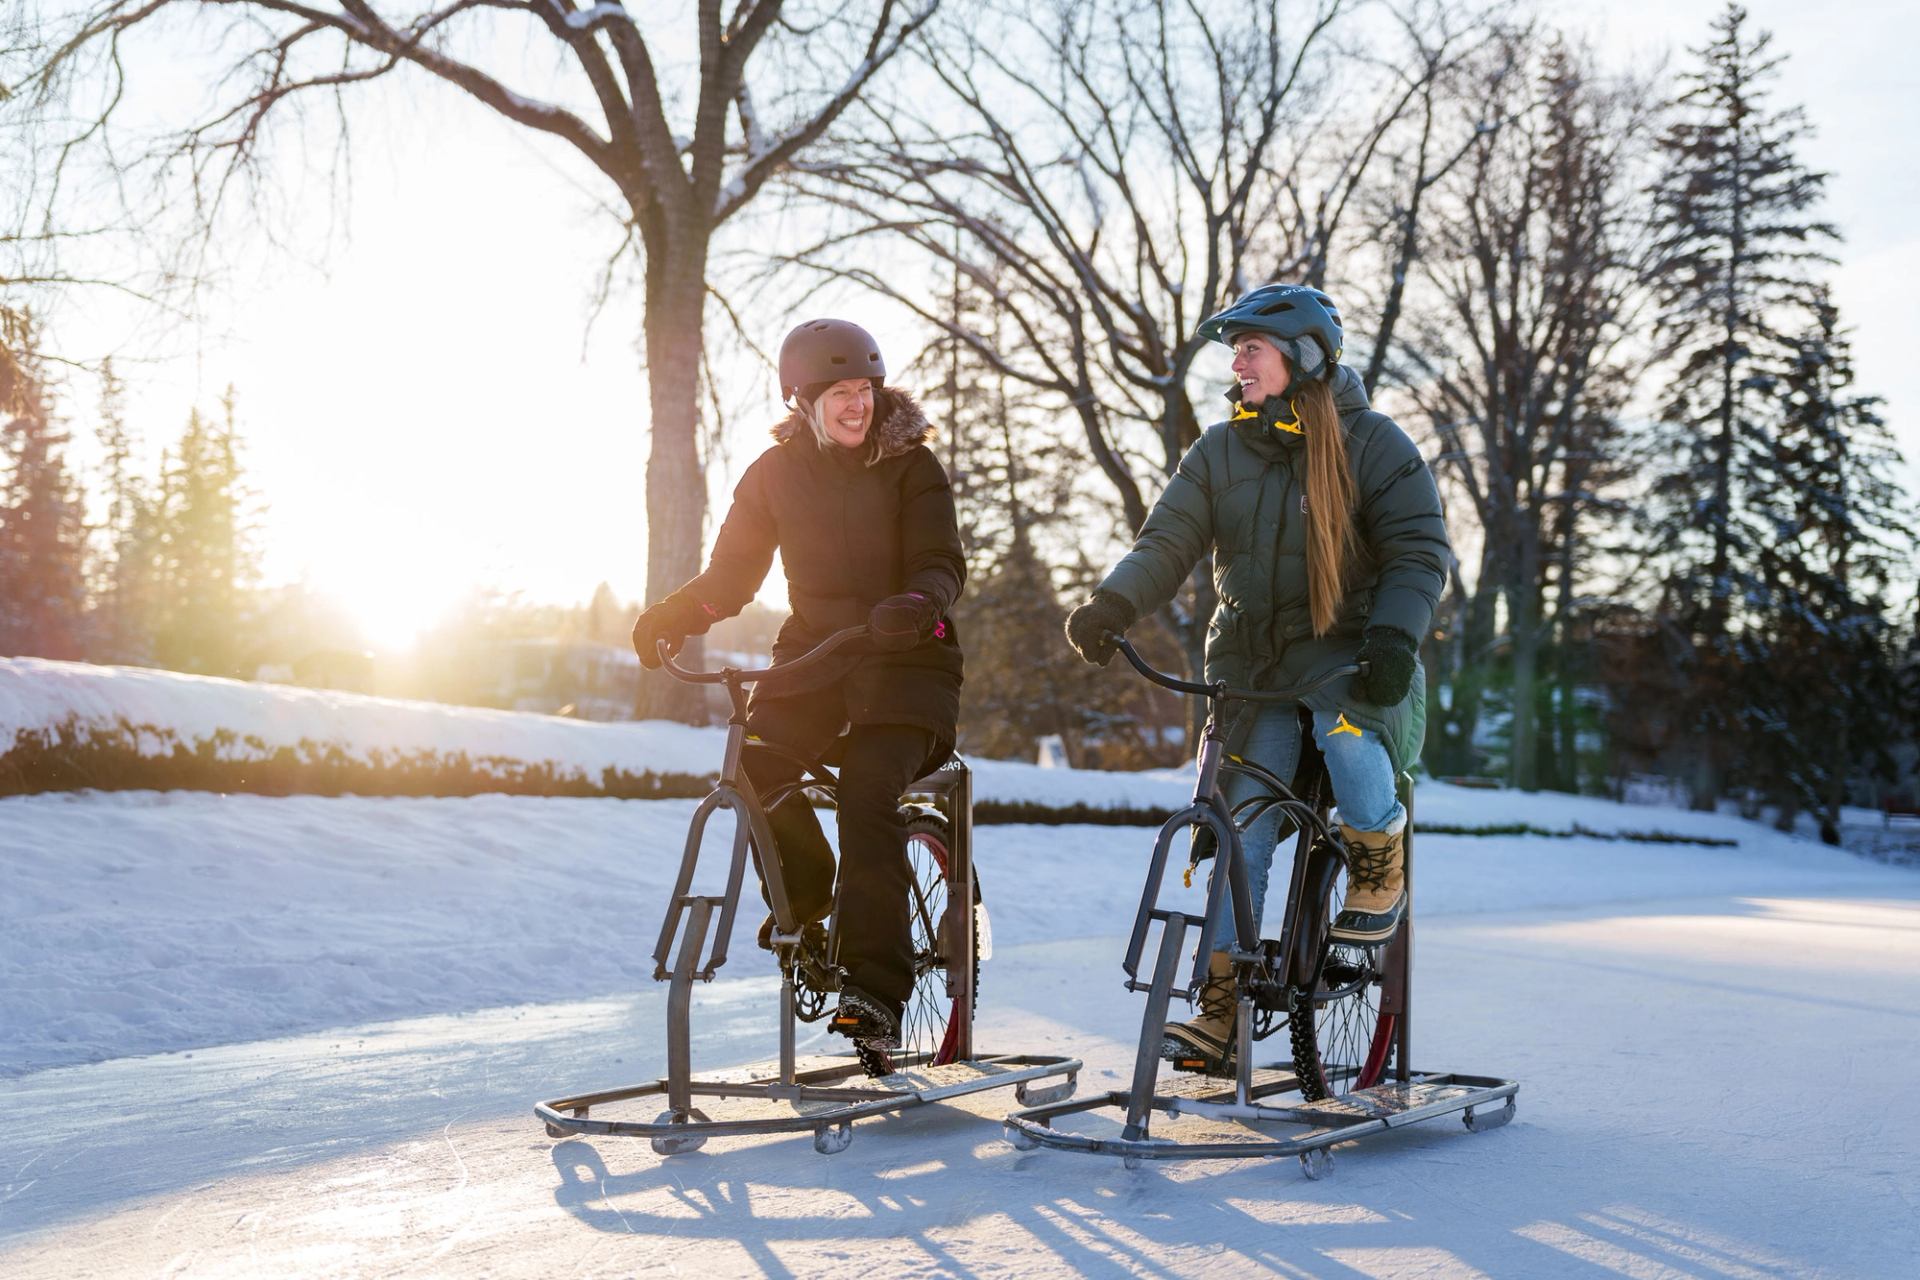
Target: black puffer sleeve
(742,554)
(932,559)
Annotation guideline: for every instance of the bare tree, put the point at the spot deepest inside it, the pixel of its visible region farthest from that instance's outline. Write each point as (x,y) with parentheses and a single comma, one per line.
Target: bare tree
(1110,172)
(770,78)
(1528,288)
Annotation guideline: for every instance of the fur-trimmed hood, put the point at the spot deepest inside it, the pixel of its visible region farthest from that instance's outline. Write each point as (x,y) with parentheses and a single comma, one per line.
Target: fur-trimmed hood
(898,425)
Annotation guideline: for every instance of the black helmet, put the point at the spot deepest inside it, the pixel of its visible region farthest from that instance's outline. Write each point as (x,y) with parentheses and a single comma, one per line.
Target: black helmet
(822,352)
(1305,318)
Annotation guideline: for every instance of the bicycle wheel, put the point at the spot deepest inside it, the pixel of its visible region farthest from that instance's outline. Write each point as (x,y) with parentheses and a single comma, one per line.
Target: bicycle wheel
(930,1025)
(1341,1039)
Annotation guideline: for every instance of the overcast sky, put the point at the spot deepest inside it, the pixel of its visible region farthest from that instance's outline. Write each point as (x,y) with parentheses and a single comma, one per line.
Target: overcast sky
(424,410)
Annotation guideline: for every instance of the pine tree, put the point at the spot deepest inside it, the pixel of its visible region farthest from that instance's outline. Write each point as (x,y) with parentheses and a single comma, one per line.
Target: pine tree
(123,560)
(205,558)
(1738,243)
(1827,704)
(42,516)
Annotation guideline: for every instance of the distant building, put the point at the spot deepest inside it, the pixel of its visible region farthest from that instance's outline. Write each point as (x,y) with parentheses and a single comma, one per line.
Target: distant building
(345,670)
(570,677)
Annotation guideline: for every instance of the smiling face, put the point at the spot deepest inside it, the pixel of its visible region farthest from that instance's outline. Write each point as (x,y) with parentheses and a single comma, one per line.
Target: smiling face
(1259,366)
(846,411)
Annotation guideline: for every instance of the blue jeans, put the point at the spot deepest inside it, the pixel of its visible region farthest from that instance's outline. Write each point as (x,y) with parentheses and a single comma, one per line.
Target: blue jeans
(1363,787)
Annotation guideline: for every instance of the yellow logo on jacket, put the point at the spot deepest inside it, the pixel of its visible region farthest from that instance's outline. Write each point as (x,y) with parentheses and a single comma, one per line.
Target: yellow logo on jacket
(1343,725)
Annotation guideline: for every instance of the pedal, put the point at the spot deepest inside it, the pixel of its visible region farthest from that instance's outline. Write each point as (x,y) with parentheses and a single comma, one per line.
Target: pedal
(1181,1057)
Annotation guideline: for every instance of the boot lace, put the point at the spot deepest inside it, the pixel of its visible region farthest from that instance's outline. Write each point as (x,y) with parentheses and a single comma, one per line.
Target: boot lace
(1217,997)
(1369,866)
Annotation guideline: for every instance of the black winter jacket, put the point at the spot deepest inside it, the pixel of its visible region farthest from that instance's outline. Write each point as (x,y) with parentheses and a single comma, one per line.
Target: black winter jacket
(852,527)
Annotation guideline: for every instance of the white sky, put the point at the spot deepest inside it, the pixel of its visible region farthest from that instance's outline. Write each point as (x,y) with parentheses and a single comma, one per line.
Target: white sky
(424,412)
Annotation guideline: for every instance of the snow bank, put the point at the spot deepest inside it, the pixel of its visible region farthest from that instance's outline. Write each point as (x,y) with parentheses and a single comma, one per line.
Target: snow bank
(36,694)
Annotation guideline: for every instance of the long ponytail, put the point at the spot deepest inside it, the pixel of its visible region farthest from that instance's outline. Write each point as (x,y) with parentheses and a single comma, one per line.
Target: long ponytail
(1330,502)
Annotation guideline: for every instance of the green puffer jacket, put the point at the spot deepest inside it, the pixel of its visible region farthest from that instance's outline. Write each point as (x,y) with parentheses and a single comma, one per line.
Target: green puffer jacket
(1239,493)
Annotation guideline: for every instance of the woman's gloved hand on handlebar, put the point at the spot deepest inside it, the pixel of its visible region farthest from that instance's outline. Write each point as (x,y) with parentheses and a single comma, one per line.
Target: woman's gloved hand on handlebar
(672,620)
(1092,627)
(1389,654)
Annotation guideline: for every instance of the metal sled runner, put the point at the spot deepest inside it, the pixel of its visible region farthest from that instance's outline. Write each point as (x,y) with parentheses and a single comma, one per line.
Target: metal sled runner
(1346,1008)
(824,1094)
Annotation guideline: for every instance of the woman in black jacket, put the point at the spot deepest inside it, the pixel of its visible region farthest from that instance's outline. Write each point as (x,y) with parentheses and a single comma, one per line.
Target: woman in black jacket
(862,515)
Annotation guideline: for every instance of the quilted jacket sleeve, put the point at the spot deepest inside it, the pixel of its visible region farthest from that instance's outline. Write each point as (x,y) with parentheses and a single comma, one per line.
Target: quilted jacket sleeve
(1178,531)
(1402,528)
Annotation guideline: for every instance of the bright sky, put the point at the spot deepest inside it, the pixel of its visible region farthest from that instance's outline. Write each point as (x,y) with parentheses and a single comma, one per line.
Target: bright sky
(424,411)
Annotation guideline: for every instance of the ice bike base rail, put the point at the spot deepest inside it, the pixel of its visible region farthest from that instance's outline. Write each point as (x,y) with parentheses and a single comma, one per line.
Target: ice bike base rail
(1482,1102)
(818,1099)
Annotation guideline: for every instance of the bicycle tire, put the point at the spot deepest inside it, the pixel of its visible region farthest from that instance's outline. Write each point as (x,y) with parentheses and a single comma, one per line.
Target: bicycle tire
(931,1021)
(1341,1040)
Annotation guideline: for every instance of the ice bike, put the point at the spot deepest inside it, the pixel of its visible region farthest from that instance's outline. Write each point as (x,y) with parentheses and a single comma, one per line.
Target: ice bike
(826,1093)
(1346,1009)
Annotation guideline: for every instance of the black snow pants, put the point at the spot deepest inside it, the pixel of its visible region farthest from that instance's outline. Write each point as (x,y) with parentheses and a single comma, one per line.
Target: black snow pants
(870,902)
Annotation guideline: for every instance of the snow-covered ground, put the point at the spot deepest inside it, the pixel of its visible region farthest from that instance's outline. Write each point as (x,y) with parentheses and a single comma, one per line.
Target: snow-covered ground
(140,922)
(302,1036)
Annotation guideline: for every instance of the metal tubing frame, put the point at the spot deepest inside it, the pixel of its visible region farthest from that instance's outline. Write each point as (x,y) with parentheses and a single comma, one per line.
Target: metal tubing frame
(1343,1119)
(816,1081)
(1032,1126)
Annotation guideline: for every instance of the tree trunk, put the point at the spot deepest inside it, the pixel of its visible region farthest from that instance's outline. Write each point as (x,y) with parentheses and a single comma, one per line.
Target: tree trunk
(1523,599)
(676,485)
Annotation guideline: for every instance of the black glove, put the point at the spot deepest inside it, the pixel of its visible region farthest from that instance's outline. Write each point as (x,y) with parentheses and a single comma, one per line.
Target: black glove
(1092,627)
(672,620)
(902,621)
(1390,655)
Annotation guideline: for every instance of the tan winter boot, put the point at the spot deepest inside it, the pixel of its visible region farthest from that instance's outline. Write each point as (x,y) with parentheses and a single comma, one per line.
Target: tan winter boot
(1376,885)
(1205,1044)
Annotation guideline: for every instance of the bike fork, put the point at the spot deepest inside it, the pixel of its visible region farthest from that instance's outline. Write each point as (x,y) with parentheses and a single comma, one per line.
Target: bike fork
(1153,1027)
(680,1003)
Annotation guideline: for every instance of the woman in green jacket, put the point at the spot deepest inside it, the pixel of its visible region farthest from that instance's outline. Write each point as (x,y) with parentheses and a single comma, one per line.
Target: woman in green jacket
(1328,547)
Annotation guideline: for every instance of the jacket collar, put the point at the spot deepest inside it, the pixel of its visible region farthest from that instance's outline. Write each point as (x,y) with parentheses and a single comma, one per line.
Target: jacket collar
(899,425)
(1274,421)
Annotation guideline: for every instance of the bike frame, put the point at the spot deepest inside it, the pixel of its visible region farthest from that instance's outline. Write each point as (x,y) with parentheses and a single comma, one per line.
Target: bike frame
(1409,1097)
(689,914)
(1300,956)
(824,1094)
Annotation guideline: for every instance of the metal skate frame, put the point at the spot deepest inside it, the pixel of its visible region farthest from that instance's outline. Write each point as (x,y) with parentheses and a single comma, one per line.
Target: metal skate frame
(825,1094)
(1258,1095)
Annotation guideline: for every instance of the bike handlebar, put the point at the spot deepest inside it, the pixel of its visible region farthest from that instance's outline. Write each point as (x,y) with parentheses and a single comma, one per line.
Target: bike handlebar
(1220,689)
(750,675)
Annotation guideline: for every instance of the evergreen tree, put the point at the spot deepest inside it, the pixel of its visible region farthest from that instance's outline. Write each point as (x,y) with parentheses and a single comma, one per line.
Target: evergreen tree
(123,561)
(1738,243)
(42,518)
(1826,704)
(206,562)
(1013,476)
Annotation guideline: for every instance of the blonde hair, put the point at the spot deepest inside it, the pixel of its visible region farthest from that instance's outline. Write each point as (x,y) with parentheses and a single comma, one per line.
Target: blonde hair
(1331,498)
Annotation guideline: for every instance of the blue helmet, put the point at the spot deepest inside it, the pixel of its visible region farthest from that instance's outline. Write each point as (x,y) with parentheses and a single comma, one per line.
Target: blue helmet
(1304,319)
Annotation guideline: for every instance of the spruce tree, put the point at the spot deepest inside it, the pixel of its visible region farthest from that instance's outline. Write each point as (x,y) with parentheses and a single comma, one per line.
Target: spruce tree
(206,561)
(1827,703)
(42,517)
(1738,243)
(123,560)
